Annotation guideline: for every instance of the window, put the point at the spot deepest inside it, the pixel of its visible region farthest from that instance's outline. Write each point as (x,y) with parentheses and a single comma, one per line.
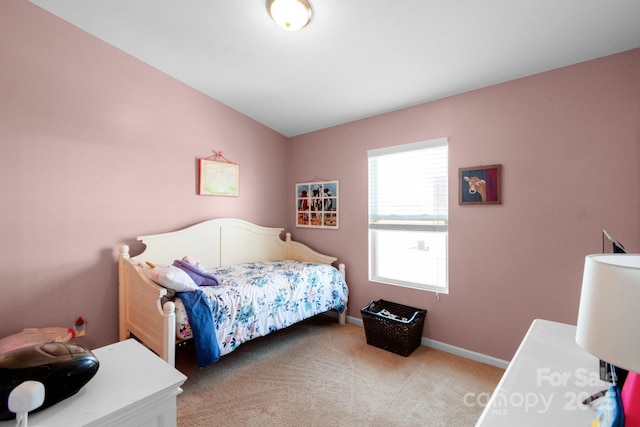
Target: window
(408,215)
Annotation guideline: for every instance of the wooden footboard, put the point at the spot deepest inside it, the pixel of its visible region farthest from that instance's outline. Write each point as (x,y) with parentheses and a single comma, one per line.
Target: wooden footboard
(141,312)
(218,242)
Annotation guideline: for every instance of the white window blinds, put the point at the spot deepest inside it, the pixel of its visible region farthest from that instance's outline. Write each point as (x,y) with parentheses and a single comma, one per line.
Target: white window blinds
(409,184)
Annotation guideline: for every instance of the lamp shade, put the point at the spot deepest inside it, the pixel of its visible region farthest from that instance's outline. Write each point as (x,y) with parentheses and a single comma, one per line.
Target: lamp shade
(609,314)
(290,15)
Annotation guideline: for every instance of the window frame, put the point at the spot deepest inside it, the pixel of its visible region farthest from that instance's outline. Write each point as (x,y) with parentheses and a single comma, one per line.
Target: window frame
(429,223)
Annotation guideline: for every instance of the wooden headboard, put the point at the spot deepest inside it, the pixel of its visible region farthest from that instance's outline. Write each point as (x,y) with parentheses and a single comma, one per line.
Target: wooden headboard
(226,241)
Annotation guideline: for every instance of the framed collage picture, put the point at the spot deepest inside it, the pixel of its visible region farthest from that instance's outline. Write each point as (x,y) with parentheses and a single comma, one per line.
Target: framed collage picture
(317,204)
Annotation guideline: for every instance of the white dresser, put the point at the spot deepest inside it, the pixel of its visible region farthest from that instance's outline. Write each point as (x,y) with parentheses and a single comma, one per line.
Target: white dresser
(545,382)
(133,387)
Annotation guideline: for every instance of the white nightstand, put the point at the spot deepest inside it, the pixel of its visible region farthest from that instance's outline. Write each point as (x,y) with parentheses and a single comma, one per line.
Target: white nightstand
(133,387)
(545,382)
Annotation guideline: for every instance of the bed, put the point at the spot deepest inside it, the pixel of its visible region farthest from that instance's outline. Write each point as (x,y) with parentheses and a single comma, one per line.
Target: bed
(225,247)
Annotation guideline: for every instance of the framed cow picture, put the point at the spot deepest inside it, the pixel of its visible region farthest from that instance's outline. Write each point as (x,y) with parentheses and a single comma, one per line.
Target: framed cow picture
(317,204)
(480,185)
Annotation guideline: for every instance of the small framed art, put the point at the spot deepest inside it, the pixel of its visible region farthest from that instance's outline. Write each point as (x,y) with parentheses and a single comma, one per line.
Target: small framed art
(317,204)
(216,178)
(480,185)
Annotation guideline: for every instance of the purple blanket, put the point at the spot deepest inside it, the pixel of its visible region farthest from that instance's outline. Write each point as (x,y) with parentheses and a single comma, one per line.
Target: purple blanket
(199,276)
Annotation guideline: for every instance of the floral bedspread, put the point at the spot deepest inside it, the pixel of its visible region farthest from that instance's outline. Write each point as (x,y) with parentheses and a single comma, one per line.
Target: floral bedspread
(255,299)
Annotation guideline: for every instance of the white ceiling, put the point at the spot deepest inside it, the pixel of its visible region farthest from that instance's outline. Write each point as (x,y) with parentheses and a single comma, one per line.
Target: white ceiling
(357,58)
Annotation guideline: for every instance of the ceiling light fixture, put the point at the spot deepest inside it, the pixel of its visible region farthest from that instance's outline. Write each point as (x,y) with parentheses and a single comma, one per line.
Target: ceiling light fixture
(290,15)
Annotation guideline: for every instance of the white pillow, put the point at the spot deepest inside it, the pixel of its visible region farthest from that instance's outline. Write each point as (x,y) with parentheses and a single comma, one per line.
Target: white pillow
(171,277)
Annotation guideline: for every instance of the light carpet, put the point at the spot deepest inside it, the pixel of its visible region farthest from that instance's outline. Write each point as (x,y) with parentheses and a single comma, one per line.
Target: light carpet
(319,373)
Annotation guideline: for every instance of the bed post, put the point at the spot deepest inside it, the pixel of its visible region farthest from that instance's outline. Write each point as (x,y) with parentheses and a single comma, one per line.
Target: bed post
(169,335)
(288,251)
(123,333)
(342,317)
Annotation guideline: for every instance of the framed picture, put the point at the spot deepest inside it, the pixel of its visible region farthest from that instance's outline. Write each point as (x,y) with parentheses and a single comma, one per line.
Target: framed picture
(480,185)
(217,178)
(317,204)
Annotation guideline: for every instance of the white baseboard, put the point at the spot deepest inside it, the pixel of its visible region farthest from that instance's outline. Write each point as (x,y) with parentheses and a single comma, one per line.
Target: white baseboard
(458,351)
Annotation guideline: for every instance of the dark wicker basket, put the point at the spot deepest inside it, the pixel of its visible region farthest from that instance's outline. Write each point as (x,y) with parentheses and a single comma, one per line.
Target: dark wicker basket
(399,336)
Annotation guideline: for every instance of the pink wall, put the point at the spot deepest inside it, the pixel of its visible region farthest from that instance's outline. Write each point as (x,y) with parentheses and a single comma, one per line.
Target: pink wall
(95,149)
(569,143)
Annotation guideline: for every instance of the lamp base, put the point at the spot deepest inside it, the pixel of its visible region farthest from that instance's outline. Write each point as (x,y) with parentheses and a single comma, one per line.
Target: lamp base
(631,400)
